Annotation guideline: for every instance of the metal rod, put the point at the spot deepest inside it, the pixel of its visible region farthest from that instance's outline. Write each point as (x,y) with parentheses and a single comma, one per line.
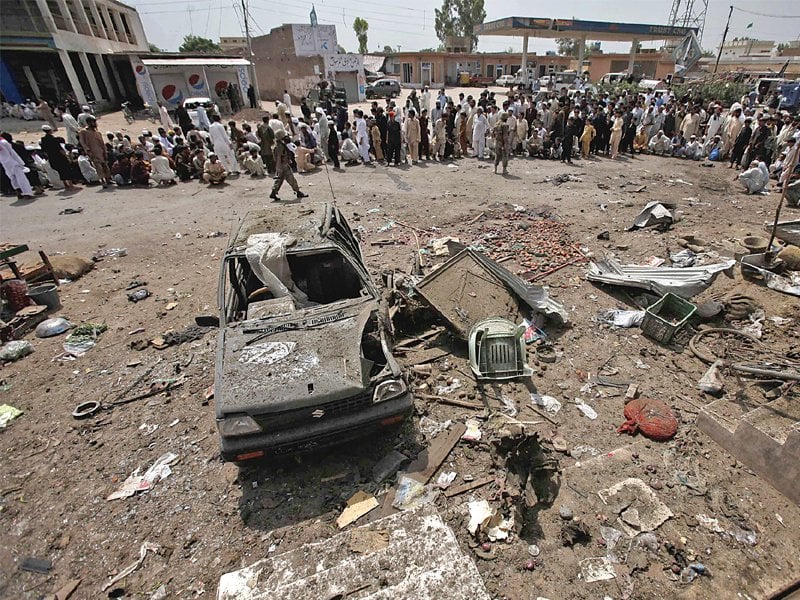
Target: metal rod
(789,170)
(250,58)
(724,36)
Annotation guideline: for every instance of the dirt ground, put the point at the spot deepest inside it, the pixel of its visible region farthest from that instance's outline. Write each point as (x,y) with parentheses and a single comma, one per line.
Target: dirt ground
(208,517)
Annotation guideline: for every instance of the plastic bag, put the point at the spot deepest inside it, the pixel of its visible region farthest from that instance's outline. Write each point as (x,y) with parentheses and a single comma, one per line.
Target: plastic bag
(15,350)
(652,417)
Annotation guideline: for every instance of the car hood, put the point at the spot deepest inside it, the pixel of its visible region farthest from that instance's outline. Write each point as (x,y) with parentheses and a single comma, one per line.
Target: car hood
(314,357)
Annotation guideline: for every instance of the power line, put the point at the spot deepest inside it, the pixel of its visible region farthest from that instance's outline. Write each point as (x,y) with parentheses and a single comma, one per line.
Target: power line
(758,14)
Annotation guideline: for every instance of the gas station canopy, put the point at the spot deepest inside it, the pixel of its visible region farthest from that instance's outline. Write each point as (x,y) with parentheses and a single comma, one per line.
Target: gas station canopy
(573,28)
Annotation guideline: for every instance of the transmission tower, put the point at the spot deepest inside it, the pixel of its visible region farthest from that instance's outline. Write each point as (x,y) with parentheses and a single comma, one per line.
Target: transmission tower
(689,13)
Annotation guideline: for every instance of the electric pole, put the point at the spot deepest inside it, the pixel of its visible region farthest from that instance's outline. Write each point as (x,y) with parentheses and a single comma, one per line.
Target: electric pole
(254,77)
(724,36)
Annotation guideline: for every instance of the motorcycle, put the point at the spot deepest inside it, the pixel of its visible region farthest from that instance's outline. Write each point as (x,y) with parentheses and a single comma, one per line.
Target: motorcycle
(128,113)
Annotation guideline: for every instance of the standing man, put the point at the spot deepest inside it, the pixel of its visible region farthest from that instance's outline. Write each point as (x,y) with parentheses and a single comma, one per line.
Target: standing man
(72,126)
(95,148)
(184,120)
(425,104)
(14,167)
(222,145)
(424,135)
(266,139)
(395,140)
(166,120)
(413,135)
(47,113)
(283,167)
(251,95)
(502,141)
(362,136)
(691,123)
(479,127)
(287,100)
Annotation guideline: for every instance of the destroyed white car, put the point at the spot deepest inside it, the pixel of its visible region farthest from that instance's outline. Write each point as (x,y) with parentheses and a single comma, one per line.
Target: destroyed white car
(303,353)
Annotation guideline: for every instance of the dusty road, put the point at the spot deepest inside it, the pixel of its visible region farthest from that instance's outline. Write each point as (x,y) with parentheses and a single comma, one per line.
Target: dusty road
(207,518)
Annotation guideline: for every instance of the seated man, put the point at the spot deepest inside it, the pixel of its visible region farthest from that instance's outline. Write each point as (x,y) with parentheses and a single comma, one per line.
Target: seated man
(183,162)
(755,179)
(198,163)
(140,169)
(350,152)
(640,142)
(161,168)
(121,169)
(534,144)
(213,171)
(678,145)
(253,164)
(88,171)
(694,149)
(659,143)
(712,149)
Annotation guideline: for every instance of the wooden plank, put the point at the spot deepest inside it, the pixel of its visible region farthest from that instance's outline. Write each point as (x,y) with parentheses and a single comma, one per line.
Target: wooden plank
(460,489)
(429,460)
(426,356)
(451,401)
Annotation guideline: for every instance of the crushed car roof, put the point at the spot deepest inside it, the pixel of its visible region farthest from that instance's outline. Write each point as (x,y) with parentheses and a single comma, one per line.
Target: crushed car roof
(303,222)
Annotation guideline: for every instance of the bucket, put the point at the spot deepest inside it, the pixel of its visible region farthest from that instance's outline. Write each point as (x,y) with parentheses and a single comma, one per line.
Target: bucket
(45,294)
(15,292)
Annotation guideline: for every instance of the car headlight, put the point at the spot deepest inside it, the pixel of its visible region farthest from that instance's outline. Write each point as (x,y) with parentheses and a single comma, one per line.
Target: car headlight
(238,425)
(388,390)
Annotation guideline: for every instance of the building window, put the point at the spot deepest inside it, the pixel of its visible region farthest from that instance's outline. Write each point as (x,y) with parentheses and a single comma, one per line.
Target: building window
(131,37)
(490,70)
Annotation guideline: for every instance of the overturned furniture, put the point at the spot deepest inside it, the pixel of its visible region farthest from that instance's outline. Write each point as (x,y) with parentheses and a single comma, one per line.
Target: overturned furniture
(411,554)
(471,287)
(497,350)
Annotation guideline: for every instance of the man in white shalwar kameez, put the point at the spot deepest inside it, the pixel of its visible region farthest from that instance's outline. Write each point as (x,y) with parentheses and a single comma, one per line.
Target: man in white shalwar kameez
(15,168)
(222,145)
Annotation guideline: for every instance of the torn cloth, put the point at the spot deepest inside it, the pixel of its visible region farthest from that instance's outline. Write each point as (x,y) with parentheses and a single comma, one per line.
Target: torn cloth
(266,255)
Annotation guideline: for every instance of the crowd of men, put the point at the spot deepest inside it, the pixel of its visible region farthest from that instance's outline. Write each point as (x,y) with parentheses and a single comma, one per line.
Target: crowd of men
(547,125)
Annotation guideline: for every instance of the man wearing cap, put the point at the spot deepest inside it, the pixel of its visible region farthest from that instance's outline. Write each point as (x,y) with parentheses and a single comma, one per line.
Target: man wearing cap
(283,166)
(731,128)
(693,149)
(86,112)
(95,148)
(14,167)
(214,172)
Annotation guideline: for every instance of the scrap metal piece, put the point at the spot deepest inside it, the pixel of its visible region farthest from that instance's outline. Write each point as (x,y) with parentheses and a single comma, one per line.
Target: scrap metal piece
(686,282)
(470,287)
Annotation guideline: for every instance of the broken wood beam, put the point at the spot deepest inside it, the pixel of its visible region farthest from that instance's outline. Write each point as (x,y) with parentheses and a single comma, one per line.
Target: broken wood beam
(429,460)
(452,401)
(460,489)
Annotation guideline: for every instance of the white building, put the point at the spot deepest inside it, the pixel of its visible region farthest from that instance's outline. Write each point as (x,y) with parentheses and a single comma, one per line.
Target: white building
(49,48)
(745,47)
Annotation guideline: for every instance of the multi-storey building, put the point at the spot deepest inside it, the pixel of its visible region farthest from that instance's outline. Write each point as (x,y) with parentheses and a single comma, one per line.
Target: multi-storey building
(49,48)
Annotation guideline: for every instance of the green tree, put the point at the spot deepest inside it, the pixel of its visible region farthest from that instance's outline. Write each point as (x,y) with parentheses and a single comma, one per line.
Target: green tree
(388,50)
(360,26)
(153,48)
(459,17)
(201,45)
(569,47)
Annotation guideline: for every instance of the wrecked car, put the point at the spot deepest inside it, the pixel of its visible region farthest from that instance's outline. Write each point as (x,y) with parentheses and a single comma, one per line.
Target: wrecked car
(303,354)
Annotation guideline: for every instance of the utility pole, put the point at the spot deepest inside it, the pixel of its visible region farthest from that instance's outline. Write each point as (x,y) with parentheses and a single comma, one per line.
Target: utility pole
(254,77)
(724,36)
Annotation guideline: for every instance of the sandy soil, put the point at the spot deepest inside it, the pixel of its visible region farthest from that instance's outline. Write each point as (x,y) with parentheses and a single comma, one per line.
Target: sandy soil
(208,518)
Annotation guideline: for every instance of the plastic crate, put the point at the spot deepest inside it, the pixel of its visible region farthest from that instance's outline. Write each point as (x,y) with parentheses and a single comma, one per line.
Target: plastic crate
(666,317)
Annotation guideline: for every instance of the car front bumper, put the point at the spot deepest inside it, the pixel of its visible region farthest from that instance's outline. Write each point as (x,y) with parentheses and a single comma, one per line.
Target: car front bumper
(326,433)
